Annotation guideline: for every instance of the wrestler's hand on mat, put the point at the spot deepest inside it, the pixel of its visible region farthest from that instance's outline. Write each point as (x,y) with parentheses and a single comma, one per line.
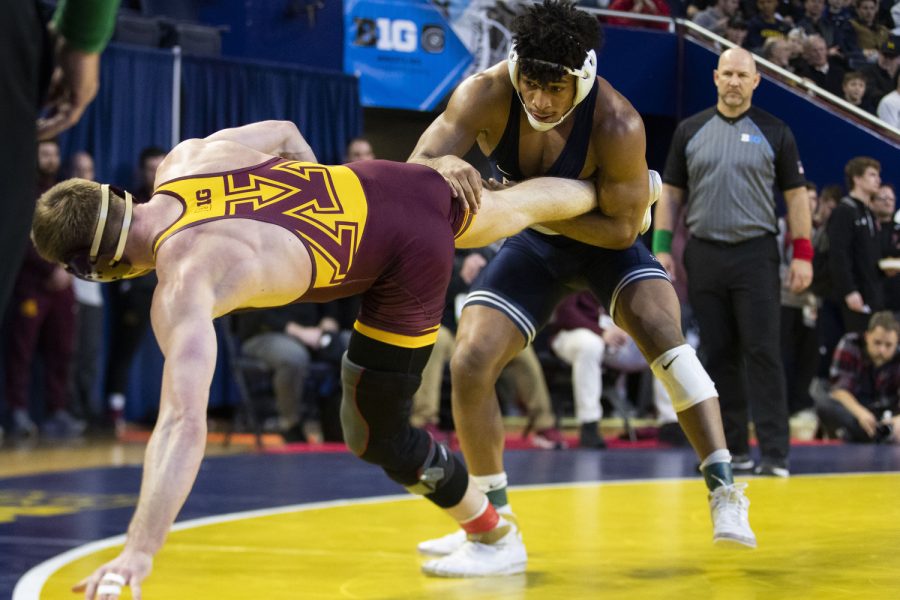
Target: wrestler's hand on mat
(74,84)
(128,569)
(464,180)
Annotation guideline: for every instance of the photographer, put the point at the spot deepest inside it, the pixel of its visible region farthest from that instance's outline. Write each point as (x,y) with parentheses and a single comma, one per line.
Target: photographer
(865,380)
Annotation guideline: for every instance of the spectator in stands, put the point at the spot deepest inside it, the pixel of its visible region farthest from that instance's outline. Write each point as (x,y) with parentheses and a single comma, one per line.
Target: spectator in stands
(880,77)
(736,30)
(695,7)
(854,91)
(823,70)
(287,339)
(865,383)
(870,35)
(889,107)
(816,22)
(829,198)
(129,306)
(779,52)
(854,289)
(659,8)
(585,337)
(41,321)
(884,207)
(85,371)
(715,18)
(523,373)
(765,25)
(358,149)
(799,341)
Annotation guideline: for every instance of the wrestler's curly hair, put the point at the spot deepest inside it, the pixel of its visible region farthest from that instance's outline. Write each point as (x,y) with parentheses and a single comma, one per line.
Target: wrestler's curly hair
(555,32)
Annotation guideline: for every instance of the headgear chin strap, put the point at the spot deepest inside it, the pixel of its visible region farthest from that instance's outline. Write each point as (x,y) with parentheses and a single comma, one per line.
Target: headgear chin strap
(584,81)
(88,266)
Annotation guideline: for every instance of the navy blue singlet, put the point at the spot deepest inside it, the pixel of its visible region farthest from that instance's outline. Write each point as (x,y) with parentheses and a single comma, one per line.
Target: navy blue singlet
(505,157)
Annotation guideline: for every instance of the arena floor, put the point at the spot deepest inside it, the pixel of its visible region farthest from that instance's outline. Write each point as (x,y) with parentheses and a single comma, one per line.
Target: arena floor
(624,523)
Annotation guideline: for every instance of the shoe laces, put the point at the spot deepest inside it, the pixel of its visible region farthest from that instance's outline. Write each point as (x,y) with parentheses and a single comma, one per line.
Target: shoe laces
(729,500)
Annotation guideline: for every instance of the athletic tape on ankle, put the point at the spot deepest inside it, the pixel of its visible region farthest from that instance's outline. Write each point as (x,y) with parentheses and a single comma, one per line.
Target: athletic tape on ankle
(684,377)
(487,483)
(717,456)
(483,520)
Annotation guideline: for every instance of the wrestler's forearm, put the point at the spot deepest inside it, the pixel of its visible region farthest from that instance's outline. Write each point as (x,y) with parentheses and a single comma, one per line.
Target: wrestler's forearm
(596,229)
(171,464)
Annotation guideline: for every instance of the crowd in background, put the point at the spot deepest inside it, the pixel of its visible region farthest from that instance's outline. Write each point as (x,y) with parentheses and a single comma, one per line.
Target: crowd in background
(843,322)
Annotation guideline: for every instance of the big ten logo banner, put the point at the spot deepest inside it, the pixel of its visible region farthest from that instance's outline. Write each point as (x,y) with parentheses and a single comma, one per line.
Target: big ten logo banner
(403,51)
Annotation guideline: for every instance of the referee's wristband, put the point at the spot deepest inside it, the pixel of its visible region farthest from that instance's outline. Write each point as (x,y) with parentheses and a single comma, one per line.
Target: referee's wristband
(662,241)
(87,25)
(803,249)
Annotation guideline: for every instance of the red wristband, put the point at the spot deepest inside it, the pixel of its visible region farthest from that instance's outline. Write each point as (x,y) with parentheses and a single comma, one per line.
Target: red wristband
(803,249)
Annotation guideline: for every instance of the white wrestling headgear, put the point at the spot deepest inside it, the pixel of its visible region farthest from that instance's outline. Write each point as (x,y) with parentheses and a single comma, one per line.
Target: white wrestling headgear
(85,266)
(585,77)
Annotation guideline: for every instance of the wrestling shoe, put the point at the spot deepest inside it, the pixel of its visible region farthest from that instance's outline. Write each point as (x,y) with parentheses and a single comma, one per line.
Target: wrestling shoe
(549,439)
(506,556)
(729,508)
(772,467)
(23,426)
(443,545)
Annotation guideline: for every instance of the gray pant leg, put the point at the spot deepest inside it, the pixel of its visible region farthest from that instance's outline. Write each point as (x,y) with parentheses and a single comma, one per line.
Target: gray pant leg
(289,360)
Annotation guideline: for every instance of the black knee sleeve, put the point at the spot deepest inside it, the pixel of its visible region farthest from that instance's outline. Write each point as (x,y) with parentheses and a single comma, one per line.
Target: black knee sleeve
(375,417)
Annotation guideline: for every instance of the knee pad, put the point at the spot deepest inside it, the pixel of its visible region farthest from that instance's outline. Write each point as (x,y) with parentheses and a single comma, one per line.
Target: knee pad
(375,412)
(684,377)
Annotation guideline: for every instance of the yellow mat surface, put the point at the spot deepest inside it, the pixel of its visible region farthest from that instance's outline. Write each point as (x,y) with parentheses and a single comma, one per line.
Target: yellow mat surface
(819,537)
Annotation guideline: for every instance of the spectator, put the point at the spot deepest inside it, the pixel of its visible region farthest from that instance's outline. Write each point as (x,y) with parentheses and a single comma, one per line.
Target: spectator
(870,35)
(89,324)
(889,107)
(715,18)
(865,383)
(799,342)
(41,321)
(659,8)
(880,77)
(82,30)
(828,200)
(129,306)
(359,149)
(587,338)
(815,22)
(765,25)
(732,256)
(854,91)
(823,70)
(854,290)
(287,339)
(779,52)
(736,30)
(884,207)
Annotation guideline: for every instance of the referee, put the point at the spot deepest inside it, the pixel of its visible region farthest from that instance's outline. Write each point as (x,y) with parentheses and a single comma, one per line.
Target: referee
(723,165)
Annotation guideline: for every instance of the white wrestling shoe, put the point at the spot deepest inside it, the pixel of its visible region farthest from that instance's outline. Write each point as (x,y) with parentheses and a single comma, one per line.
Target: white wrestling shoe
(506,556)
(443,545)
(729,508)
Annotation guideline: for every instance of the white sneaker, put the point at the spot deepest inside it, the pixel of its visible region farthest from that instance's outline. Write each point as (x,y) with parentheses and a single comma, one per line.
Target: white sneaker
(506,556)
(444,545)
(729,508)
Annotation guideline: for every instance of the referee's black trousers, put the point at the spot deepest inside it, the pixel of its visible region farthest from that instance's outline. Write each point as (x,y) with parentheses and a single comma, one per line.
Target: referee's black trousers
(21,52)
(734,290)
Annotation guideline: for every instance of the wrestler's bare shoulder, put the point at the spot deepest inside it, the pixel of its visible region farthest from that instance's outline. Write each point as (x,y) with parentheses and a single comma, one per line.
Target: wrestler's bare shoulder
(198,156)
(486,91)
(614,115)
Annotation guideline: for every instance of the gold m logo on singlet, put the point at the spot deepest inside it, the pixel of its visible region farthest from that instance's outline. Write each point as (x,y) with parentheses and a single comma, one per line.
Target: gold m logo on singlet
(330,227)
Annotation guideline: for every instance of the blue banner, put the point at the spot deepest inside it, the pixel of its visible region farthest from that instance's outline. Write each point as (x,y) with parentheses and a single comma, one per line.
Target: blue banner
(404,53)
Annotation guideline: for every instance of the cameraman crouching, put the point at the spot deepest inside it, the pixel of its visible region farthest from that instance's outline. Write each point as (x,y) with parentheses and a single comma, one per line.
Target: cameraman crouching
(865,380)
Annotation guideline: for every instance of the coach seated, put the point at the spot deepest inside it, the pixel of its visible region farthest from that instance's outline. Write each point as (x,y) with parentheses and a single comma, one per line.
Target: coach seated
(865,381)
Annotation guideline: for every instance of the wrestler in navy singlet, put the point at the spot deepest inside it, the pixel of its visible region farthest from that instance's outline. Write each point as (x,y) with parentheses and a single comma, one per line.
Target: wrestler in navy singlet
(533,270)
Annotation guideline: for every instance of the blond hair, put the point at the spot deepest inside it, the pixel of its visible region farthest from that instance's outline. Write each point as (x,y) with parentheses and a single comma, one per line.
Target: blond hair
(65,219)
